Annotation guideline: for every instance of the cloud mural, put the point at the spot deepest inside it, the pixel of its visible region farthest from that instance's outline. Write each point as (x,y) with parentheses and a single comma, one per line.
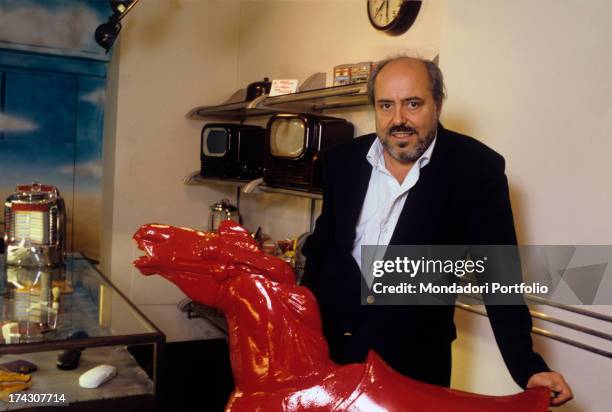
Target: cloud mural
(91,169)
(69,26)
(10,123)
(96,97)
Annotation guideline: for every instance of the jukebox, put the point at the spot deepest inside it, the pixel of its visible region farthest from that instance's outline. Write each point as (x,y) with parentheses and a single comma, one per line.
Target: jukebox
(33,272)
(35,227)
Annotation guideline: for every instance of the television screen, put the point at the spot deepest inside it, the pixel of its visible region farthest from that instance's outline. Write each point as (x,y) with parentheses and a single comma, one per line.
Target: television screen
(288,137)
(215,142)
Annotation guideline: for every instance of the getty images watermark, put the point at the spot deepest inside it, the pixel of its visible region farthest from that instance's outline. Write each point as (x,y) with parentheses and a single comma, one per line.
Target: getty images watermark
(493,274)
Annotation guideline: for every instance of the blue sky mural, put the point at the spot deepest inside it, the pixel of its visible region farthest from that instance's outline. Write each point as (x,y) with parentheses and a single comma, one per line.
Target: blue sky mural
(50,128)
(52,98)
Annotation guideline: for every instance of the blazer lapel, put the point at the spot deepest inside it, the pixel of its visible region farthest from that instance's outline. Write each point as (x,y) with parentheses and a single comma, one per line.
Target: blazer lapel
(413,225)
(356,188)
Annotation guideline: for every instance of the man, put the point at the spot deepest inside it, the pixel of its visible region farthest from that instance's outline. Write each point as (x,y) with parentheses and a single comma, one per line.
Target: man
(413,183)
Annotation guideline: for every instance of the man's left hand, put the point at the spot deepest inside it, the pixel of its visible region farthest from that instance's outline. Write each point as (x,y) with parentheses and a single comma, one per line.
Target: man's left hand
(555,382)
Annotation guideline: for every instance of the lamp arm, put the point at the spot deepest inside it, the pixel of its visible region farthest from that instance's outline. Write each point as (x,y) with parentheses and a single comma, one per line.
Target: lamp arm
(127,10)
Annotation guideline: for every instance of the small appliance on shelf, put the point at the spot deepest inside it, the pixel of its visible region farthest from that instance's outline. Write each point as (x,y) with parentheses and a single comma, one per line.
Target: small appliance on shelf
(256,89)
(35,226)
(232,151)
(293,145)
(220,211)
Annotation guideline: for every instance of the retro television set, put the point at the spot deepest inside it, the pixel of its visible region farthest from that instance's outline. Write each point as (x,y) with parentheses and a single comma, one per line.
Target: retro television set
(293,145)
(230,150)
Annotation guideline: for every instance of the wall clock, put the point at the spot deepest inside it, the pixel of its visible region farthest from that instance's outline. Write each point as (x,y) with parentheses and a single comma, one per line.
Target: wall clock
(393,16)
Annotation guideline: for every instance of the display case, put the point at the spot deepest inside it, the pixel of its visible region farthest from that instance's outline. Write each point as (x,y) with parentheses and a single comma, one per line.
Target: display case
(46,311)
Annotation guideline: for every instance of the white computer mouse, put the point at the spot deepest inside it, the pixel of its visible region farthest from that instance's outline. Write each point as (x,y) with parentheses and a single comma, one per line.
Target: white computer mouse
(97,376)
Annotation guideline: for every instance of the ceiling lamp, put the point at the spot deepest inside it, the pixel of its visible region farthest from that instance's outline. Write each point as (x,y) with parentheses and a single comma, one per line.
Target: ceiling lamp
(107,33)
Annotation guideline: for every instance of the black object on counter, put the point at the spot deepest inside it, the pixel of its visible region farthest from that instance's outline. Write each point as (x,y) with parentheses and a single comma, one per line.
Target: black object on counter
(257,89)
(69,359)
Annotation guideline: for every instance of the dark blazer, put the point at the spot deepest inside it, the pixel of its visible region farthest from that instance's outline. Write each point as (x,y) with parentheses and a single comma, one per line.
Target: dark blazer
(461,198)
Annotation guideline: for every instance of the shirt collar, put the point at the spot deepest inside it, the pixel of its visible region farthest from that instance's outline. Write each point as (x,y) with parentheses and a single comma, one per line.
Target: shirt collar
(376,159)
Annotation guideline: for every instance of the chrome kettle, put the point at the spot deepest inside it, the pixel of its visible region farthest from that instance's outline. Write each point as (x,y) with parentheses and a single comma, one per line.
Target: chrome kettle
(220,211)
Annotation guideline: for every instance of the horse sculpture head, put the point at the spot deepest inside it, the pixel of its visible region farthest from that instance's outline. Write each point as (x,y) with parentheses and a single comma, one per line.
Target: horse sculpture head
(280,360)
(200,263)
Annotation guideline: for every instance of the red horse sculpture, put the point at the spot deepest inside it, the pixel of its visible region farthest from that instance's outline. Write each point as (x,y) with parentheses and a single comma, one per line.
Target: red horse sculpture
(279,357)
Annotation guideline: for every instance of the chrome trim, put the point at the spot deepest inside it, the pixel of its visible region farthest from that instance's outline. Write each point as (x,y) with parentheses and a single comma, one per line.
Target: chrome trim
(344,90)
(584,312)
(292,192)
(547,318)
(345,101)
(253,104)
(312,219)
(580,345)
(34,256)
(194,179)
(303,102)
(545,333)
(319,127)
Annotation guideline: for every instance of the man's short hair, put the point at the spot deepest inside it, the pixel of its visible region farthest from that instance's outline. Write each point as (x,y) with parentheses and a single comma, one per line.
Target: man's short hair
(436,79)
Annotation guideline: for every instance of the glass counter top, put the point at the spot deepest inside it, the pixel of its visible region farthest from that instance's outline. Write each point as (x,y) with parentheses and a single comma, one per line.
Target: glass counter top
(68,306)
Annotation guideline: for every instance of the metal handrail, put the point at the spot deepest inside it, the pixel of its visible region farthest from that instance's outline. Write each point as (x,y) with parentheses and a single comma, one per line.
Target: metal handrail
(548,334)
(548,318)
(580,311)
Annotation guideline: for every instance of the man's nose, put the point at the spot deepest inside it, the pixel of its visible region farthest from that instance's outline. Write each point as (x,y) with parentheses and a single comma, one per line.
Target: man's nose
(398,116)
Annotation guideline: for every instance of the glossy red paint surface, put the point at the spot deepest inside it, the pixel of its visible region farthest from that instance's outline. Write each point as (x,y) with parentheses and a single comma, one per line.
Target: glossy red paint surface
(279,356)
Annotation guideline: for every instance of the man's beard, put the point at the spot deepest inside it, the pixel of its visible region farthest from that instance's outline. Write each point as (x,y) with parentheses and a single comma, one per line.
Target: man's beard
(421,143)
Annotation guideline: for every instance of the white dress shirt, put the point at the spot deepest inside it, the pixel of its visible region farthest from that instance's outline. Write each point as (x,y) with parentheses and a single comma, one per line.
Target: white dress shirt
(384,200)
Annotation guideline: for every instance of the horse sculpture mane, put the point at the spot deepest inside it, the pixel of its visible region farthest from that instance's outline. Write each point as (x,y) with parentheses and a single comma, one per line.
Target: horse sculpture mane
(280,359)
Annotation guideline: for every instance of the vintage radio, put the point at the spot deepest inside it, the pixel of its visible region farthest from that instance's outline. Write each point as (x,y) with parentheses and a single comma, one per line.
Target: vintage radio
(232,150)
(35,226)
(293,145)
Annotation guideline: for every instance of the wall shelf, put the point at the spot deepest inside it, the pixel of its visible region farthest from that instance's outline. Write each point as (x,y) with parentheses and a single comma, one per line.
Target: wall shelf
(195,179)
(291,192)
(255,186)
(310,101)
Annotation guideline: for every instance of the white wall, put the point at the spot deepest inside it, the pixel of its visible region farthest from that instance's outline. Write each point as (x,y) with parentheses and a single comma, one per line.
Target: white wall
(172,56)
(532,80)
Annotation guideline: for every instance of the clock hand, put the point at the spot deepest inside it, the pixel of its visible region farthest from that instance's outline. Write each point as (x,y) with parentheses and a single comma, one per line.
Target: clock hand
(380,8)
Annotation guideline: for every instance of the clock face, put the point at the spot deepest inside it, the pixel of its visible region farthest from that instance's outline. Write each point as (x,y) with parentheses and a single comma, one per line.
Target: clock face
(393,16)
